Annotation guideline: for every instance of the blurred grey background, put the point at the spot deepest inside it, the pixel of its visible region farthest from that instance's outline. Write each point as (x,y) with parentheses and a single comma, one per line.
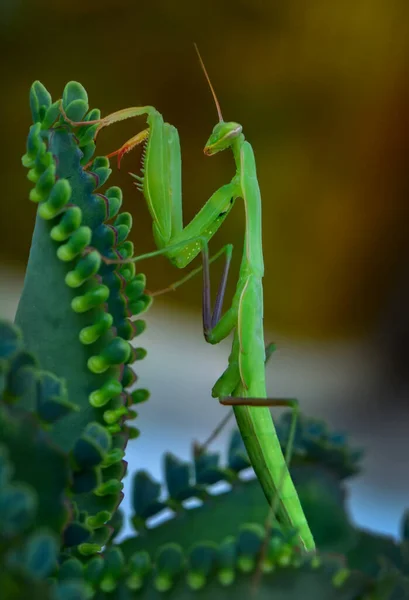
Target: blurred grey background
(322,92)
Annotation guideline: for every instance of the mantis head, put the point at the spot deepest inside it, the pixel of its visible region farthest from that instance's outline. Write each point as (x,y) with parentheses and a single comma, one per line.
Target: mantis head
(222,137)
(223,134)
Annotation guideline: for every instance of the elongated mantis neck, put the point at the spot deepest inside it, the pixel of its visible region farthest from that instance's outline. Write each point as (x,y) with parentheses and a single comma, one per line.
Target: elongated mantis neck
(236,147)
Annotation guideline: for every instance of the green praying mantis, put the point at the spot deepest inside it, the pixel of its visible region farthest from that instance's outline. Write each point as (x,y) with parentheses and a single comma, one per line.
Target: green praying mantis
(242,385)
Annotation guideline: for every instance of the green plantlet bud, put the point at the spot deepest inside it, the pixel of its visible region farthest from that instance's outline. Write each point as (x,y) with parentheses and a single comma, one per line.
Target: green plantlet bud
(169,563)
(109,488)
(109,390)
(340,577)
(98,520)
(88,549)
(34,143)
(114,195)
(133,356)
(201,561)
(139,565)
(196,581)
(95,569)
(86,134)
(75,101)
(139,396)
(226,560)
(116,353)
(44,185)
(39,558)
(124,218)
(58,198)
(112,416)
(246,564)
(51,115)
(128,377)
(71,569)
(115,428)
(85,268)
(75,245)
(113,456)
(69,222)
(107,584)
(122,232)
(133,433)
(139,326)
(88,152)
(92,115)
(100,167)
(126,249)
(226,577)
(131,415)
(135,289)
(89,335)
(127,271)
(40,101)
(91,299)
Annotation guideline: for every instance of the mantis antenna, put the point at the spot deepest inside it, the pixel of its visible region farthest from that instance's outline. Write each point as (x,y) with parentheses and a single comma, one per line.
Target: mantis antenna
(219,111)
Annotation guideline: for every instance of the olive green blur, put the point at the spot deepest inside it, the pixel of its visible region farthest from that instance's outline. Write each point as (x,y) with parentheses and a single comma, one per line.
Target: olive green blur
(321,90)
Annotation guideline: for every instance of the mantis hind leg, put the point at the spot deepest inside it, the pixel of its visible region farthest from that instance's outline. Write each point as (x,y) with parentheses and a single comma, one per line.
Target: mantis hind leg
(199,449)
(271,515)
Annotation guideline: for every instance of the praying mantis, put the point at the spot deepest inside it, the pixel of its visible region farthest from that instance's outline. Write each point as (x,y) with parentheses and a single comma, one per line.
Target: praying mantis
(242,385)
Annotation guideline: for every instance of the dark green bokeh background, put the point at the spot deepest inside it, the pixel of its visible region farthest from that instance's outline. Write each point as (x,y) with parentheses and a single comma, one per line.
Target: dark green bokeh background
(321,88)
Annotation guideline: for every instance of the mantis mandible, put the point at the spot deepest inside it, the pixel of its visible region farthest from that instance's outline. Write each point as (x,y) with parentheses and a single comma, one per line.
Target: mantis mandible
(243,384)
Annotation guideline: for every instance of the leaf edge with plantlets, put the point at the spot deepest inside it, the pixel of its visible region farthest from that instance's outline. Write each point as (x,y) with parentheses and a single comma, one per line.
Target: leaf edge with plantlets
(75,315)
(185,481)
(35,511)
(222,570)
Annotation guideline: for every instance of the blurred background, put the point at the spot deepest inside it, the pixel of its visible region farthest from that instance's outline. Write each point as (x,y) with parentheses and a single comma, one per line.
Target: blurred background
(322,91)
